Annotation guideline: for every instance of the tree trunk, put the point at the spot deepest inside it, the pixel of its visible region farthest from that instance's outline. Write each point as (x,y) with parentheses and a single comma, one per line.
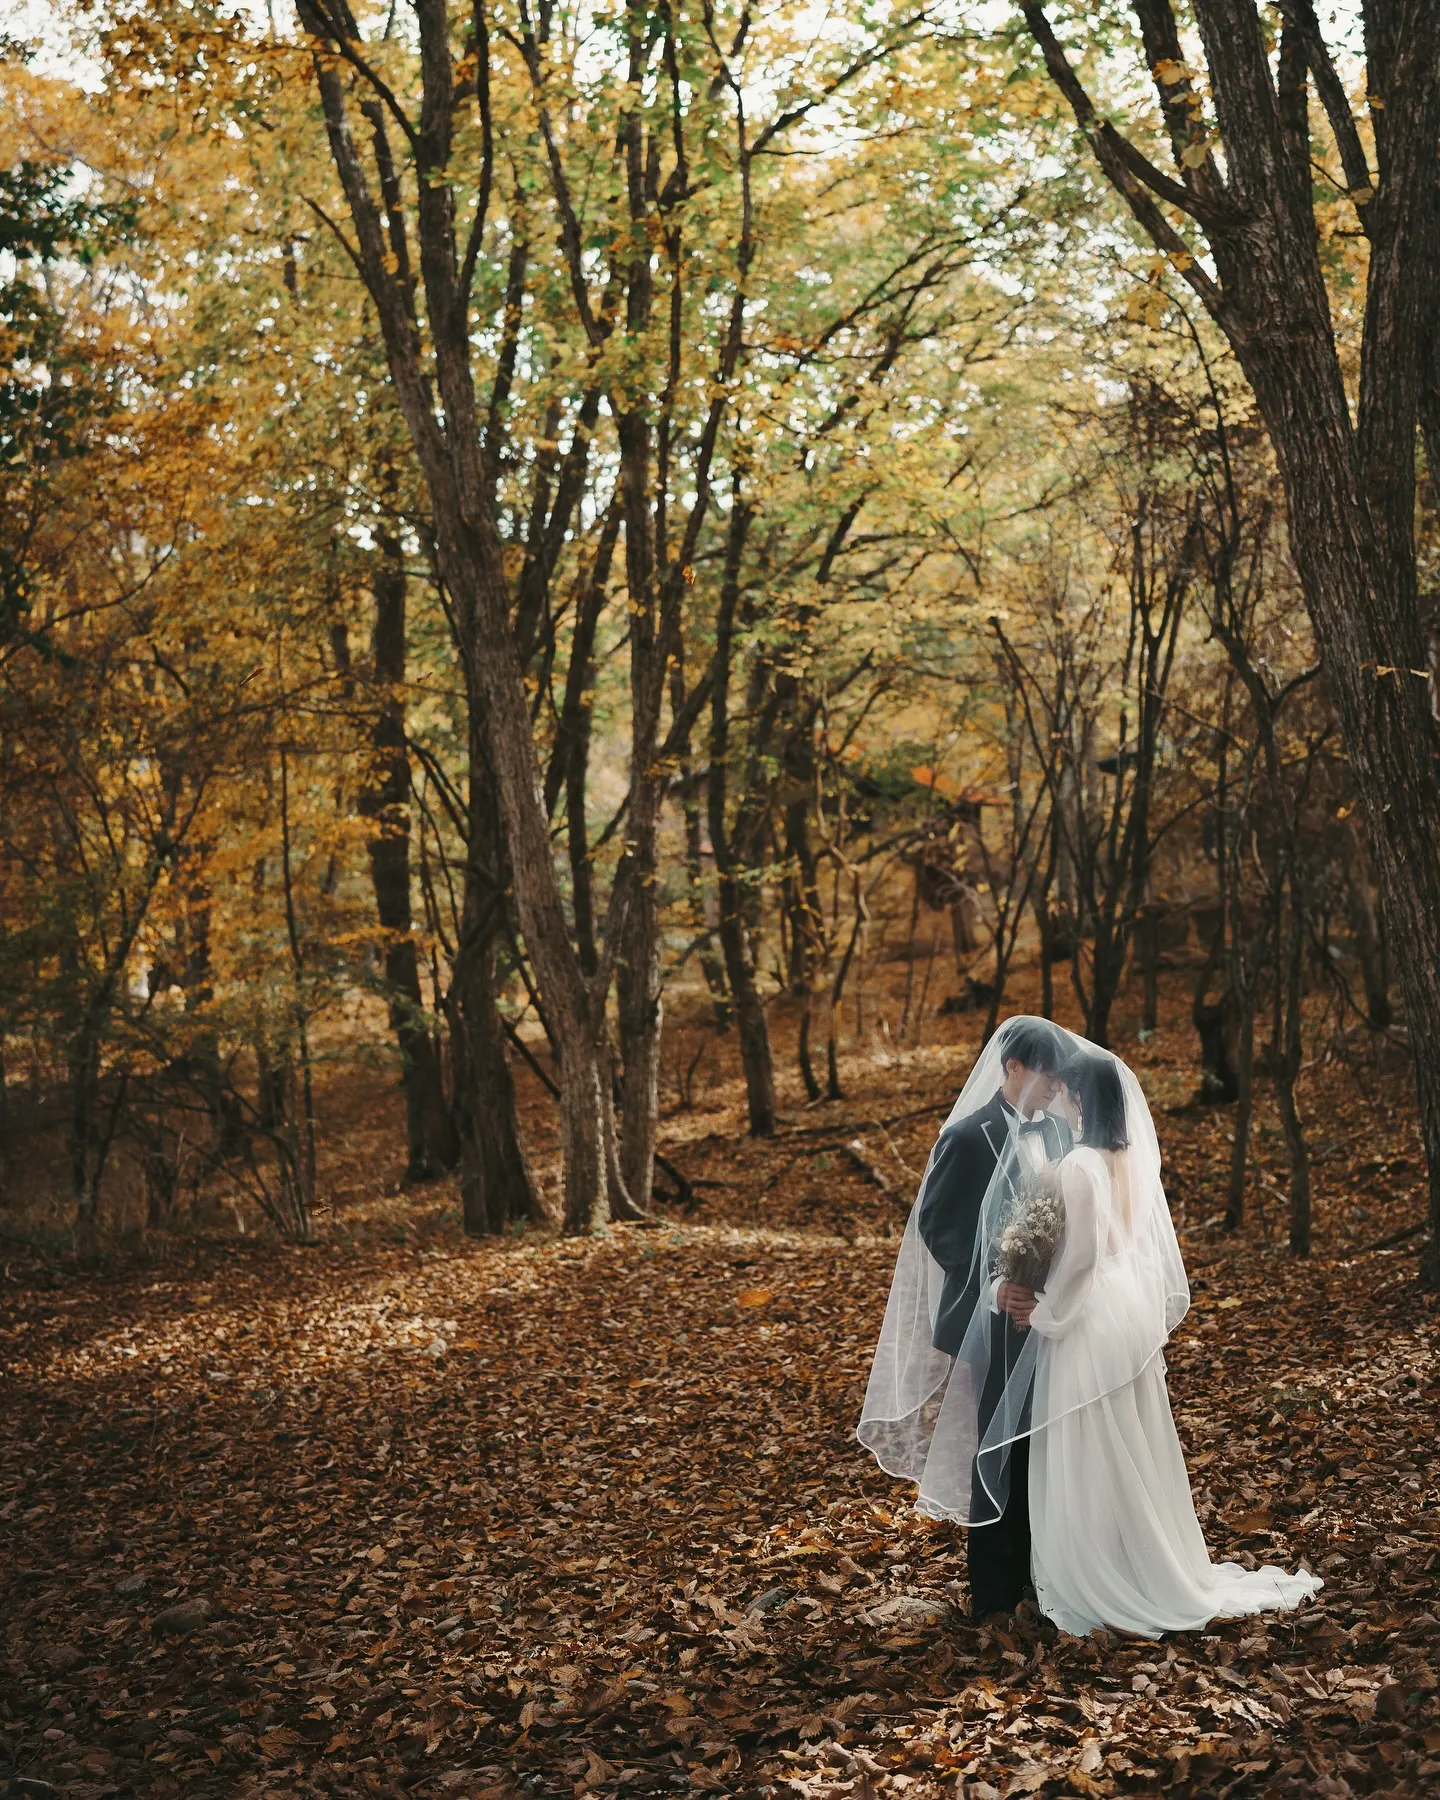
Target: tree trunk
(497,1187)
(5,1127)
(802,888)
(1349,485)
(476,581)
(1219,1083)
(1369,935)
(1289,1054)
(304,1148)
(637,966)
(577,841)
(450,446)
(1244,1113)
(802,1050)
(755,1054)
(833,1090)
(1045,918)
(639,1016)
(1386,727)
(570,757)
(431,1140)
(1145,936)
(903,1033)
(83,1133)
(1299,1152)
(711,964)
(271,1087)
(962,934)
(1105,972)
(197,983)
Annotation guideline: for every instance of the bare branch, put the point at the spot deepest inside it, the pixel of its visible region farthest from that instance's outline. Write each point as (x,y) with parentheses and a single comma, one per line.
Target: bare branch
(340,31)
(1122,163)
(1300,17)
(876,53)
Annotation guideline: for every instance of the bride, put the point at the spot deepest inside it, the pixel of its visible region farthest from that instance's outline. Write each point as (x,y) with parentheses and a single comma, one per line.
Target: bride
(1068,1364)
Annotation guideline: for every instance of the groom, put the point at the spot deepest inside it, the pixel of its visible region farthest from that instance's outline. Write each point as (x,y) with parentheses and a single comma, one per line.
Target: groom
(1012,1126)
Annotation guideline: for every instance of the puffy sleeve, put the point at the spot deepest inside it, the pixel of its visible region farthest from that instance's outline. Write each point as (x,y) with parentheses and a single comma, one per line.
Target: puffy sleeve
(1072,1272)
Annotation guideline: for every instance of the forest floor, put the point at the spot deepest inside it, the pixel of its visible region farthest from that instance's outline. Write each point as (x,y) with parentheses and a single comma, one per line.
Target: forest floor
(402,1513)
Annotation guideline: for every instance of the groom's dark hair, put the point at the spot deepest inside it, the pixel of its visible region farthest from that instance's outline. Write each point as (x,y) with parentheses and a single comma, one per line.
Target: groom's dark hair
(1034,1042)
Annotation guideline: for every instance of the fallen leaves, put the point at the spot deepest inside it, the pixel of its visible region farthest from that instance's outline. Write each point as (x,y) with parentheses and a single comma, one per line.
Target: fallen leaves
(181,1620)
(619,1538)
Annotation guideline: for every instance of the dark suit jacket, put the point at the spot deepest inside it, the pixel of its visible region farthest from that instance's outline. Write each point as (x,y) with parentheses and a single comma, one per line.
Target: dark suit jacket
(962,1163)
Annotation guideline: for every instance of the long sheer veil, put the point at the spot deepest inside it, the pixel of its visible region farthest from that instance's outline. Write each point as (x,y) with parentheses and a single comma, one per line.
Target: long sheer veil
(948,1422)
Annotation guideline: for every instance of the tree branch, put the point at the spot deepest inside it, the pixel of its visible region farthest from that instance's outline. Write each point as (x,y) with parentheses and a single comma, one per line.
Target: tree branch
(341,32)
(1300,17)
(1122,164)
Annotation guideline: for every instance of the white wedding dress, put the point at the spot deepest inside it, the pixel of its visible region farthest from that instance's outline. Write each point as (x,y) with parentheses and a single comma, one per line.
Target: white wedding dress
(1114,1536)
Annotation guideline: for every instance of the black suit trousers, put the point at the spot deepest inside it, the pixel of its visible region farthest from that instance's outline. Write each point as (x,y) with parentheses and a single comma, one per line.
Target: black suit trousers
(999,1553)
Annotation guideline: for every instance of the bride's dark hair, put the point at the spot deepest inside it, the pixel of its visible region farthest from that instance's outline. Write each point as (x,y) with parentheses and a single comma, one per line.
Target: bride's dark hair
(1094,1080)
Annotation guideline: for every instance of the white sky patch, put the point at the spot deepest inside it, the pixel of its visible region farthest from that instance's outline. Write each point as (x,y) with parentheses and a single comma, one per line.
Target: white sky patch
(44,25)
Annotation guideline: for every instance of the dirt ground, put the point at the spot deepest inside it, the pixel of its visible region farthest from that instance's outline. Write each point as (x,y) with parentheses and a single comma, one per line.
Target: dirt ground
(402,1513)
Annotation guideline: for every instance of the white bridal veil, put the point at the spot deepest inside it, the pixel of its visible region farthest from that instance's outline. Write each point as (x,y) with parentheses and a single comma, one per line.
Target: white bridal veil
(947,1418)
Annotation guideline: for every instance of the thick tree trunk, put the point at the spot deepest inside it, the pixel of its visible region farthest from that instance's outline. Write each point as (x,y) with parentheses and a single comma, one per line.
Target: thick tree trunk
(577,841)
(198,985)
(497,1188)
(1361,592)
(496,1184)
(1219,1084)
(450,447)
(476,584)
(1369,934)
(962,933)
(1349,486)
(431,1139)
(1145,936)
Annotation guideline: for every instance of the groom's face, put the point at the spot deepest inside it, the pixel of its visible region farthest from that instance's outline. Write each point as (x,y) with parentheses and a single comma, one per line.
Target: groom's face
(1029,1090)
